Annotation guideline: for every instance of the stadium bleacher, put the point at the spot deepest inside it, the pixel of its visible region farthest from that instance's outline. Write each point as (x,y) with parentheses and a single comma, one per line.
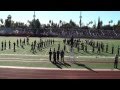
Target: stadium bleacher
(62,32)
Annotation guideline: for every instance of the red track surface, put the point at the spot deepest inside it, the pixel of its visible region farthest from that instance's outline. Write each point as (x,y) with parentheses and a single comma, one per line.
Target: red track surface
(14,73)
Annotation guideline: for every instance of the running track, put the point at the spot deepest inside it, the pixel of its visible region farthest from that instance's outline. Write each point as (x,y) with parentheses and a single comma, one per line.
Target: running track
(25,73)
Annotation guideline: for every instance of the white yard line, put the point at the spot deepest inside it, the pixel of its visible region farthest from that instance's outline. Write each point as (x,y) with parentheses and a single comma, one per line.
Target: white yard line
(20,59)
(48,55)
(10,58)
(21,55)
(43,60)
(17,67)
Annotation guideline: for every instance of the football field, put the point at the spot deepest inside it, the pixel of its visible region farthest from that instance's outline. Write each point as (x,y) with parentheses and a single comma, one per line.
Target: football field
(25,58)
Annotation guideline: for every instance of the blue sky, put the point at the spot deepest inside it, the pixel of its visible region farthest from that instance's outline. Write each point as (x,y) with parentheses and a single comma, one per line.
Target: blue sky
(45,16)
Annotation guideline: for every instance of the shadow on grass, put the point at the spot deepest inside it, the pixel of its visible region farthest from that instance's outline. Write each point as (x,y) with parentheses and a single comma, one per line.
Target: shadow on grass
(57,64)
(33,52)
(64,64)
(67,65)
(61,64)
(83,65)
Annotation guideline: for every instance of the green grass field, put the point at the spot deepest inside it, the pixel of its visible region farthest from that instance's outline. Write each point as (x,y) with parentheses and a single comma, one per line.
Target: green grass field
(23,57)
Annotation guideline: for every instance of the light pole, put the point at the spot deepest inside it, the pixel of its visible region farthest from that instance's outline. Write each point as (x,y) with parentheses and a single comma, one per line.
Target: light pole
(34,15)
(34,23)
(80,19)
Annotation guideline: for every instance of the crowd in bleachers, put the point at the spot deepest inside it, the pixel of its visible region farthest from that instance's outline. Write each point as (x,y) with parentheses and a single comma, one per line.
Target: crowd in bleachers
(62,32)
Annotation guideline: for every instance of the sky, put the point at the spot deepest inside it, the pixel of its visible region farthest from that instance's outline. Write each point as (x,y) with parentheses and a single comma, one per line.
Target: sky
(45,16)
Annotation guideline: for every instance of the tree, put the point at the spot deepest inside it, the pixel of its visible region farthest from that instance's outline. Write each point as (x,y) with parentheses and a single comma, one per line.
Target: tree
(16,25)
(30,23)
(89,23)
(12,24)
(94,25)
(8,21)
(85,27)
(107,27)
(111,21)
(118,22)
(50,22)
(117,26)
(37,24)
(1,20)
(60,23)
(66,25)
(73,24)
(99,23)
